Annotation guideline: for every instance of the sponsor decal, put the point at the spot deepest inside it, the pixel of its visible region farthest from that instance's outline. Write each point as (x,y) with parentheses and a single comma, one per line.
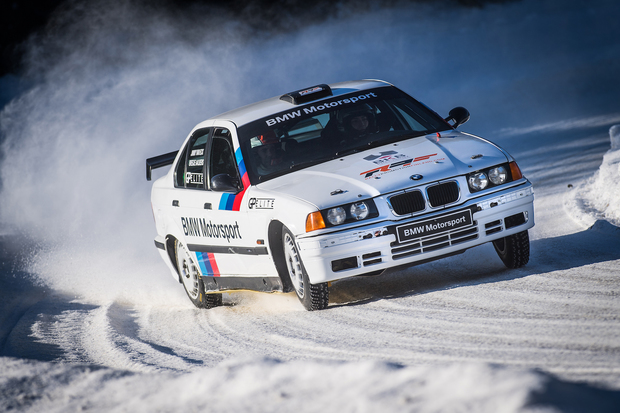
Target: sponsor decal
(261,203)
(196,162)
(193,178)
(387,168)
(434,226)
(197,152)
(198,227)
(423,158)
(232,202)
(309,91)
(207,263)
(318,108)
(385,157)
(391,167)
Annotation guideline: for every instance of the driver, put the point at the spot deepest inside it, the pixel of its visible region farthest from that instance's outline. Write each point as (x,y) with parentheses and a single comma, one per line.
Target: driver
(357,122)
(267,149)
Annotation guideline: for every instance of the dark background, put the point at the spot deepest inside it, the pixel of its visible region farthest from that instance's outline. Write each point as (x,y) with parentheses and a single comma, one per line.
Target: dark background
(20,19)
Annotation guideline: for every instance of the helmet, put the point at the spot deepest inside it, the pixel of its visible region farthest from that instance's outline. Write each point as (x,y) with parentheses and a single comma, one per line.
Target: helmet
(267,138)
(346,117)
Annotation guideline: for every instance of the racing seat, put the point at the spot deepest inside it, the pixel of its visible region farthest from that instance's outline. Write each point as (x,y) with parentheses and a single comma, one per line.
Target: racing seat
(291,149)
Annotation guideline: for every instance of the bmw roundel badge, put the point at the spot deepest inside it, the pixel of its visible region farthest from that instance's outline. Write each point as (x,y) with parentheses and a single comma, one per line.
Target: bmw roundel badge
(416,177)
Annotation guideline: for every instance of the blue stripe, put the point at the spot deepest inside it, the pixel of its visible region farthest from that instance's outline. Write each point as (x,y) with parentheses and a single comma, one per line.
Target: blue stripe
(240,162)
(201,262)
(230,202)
(223,201)
(242,169)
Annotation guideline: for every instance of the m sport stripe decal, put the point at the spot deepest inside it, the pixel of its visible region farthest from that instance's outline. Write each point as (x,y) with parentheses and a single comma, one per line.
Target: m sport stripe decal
(232,202)
(207,263)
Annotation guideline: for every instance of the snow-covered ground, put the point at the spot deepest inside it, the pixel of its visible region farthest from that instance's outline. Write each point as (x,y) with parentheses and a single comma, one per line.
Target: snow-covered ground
(91,320)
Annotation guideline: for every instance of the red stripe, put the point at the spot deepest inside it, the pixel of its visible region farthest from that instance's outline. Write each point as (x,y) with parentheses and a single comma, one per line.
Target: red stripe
(239,196)
(238,199)
(421,158)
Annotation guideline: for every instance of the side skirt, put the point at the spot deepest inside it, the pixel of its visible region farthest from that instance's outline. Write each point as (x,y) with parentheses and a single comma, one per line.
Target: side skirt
(262,284)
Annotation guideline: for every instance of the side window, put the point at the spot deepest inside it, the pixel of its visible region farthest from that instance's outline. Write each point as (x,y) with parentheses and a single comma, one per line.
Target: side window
(190,172)
(179,173)
(415,118)
(223,156)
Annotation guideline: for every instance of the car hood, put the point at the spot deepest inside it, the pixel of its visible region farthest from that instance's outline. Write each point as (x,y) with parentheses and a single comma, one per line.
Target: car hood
(388,168)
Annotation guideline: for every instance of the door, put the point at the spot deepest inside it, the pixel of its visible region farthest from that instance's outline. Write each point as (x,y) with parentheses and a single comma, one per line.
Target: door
(215,223)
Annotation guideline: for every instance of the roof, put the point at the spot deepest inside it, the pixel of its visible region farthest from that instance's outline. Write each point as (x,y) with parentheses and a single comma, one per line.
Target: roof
(249,113)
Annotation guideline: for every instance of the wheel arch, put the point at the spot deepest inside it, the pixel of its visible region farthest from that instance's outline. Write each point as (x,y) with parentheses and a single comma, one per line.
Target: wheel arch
(277,253)
(172,253)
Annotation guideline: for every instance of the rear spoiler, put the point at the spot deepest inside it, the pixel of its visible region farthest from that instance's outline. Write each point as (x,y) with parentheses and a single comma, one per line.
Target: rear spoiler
(159,161)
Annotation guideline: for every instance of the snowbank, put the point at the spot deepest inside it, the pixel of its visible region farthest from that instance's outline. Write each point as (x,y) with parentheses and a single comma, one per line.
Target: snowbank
(270,385)
(598,198)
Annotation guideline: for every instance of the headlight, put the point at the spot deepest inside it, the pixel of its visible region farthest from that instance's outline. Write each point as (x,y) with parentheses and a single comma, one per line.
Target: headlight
(359,210)
(336,216)
(498,175)
(493,176)
(478,181)
(343,214)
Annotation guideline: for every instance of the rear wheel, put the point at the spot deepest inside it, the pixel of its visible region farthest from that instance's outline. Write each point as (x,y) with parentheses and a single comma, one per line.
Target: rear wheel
(192,281)
(312,296)
(514,250)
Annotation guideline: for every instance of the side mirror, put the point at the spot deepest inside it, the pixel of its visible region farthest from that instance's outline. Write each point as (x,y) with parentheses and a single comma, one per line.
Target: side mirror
(459,115)
(224,183)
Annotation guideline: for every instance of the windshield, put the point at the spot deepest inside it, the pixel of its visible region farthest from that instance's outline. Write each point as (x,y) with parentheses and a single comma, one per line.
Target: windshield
(324,130)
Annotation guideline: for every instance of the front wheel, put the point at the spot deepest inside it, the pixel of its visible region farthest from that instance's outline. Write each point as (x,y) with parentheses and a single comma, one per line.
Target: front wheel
(514,250)
(192,281)
(312,296)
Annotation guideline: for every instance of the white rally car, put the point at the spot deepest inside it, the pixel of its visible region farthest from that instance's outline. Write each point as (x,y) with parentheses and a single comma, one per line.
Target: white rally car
(330,182)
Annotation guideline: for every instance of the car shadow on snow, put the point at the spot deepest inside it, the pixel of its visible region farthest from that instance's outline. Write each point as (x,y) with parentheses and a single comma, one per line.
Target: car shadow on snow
(564,396)
(479,265)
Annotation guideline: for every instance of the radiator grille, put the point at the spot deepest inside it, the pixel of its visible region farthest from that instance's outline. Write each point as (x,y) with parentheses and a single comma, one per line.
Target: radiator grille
(408,203)
(443,194)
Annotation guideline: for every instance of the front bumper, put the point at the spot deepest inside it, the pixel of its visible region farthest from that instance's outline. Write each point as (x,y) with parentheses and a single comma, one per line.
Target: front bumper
(388,244)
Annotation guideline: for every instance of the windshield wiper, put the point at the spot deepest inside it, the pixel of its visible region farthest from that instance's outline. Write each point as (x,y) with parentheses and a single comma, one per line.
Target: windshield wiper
(348,152)
(306,164)
(374,144)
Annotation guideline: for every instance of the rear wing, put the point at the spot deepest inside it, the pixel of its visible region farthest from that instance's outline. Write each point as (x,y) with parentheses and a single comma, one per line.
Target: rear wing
(159,161)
